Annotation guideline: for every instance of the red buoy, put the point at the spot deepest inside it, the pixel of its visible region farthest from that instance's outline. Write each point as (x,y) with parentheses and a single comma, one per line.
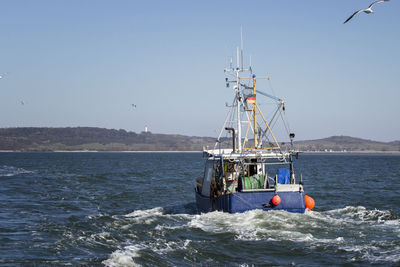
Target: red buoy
(309,202)
(276,200)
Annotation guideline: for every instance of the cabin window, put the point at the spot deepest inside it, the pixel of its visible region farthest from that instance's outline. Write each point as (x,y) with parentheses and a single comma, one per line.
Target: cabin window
(208,171)
(230,170)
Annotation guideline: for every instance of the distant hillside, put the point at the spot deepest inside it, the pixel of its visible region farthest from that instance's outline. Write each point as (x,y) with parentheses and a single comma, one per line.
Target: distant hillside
(100,139)
(346,143)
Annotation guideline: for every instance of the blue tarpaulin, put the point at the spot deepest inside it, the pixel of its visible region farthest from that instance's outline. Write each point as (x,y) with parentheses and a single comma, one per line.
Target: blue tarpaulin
(283,176)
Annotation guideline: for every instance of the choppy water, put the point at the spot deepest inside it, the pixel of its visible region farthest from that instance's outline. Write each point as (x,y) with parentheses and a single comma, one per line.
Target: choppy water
(128,209)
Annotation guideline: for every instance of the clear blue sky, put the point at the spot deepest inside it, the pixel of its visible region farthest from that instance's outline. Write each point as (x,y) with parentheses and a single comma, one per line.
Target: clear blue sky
(83,63)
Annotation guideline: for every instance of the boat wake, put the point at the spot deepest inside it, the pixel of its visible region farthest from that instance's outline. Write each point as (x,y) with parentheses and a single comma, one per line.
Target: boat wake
(357,234)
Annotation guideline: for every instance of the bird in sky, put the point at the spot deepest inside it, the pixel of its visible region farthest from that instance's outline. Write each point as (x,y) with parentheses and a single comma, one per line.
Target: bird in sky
(366,10)
(22,102)
(133,105)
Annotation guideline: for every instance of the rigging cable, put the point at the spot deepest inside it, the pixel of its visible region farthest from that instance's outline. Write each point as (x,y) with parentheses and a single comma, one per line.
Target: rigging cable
(284,116)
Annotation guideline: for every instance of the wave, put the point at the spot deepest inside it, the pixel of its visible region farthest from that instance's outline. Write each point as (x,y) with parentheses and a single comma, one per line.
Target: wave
(124,257)
(8,171)
(145,216)
(363,214)
(357,233)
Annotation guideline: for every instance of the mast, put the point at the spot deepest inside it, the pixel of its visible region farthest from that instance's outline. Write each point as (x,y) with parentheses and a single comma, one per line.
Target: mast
(237,88)
(255,113)
(246,102)
(238,100)
(252,123)
(238,95)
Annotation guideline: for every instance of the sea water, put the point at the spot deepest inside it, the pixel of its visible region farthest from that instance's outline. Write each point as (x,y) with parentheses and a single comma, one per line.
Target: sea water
(137,209)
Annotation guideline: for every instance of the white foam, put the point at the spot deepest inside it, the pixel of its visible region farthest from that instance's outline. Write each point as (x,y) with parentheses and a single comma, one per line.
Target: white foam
(126,256)
(285,226)
(313,229)
(163,228)
(145,216)
(145,213)
(157,242)
(254,225)
(361,213)
(353,217)
(394,223)
(8,171)
(161,246)
(123,257)
(384,256)
(373,254)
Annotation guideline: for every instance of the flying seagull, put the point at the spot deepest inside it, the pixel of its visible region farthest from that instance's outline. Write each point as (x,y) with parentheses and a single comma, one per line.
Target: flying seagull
(366,10)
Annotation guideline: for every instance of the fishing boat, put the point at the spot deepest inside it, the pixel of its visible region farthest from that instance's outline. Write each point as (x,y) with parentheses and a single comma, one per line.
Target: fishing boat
(251,170)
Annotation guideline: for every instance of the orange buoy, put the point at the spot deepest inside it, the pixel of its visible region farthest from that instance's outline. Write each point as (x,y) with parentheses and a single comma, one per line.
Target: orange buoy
(276,200)
(309,202)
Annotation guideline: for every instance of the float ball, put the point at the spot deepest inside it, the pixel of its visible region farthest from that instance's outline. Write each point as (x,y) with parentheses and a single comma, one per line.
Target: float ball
(309,202)
(276,200)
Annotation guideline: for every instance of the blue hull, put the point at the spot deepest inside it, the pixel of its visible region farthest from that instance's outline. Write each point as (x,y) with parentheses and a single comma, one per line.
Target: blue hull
(243,201)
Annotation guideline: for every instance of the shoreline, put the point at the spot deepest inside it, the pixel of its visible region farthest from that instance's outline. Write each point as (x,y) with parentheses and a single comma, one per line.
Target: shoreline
(351,152)
(195,151)
(96,151)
